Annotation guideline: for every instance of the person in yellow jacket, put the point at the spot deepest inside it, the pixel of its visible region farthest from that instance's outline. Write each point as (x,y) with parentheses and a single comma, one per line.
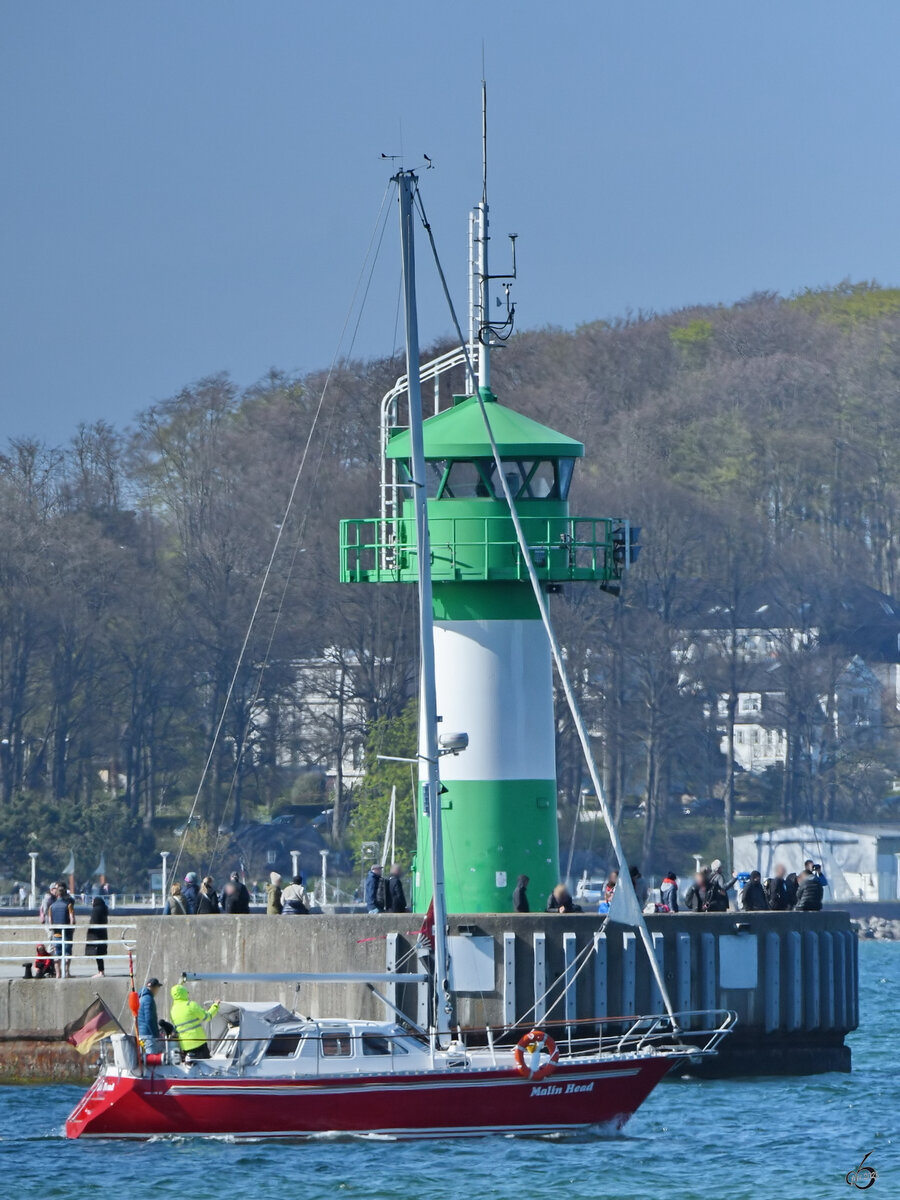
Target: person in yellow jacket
(188,1018)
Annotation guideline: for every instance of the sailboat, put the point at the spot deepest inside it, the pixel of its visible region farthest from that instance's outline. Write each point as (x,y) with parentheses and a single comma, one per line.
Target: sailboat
(274,1073)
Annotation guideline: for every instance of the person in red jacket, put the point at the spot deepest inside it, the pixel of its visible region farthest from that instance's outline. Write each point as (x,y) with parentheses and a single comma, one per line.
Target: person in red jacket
(43,963)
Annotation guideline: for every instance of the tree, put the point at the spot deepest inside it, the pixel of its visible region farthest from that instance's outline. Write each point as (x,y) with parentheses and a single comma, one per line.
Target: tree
(396,736)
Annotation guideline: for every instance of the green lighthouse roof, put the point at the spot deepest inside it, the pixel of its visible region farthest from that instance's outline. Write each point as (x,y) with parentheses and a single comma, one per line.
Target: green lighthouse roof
(459,432)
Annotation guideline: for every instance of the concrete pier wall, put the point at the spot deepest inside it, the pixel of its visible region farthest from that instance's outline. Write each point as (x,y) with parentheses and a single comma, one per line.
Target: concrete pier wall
(791,978)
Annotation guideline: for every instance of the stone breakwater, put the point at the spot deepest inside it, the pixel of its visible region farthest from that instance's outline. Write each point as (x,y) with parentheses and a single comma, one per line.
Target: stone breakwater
(882,929)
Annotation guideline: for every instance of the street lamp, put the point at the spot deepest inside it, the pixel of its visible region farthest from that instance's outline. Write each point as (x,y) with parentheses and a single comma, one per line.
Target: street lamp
(164,854)
(295,862)
(32,899)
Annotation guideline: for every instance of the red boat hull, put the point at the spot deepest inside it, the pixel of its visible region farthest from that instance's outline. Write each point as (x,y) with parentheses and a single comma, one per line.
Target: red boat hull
(415,1105)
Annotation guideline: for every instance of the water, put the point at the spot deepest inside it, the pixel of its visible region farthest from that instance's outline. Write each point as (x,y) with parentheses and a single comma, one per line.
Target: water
(728,1140)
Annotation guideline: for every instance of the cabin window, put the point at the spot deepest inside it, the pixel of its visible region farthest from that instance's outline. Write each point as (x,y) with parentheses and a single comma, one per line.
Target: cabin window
(336,1045)
(283,1045)
(539,479)
(375,1044)
(476,478)
(564,470)
(468,480)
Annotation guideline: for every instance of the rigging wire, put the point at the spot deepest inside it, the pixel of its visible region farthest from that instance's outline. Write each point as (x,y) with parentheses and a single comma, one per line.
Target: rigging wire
(305,519)
(336,358)
(556,650)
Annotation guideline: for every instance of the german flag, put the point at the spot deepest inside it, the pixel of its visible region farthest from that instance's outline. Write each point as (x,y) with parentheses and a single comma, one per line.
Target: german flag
(94,1024)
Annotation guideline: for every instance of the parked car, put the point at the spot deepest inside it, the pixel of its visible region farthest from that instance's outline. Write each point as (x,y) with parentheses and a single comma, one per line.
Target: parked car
(703,806)
(590,891)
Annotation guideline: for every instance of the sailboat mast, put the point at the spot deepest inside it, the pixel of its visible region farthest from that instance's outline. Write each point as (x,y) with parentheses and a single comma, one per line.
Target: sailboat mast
(428,719)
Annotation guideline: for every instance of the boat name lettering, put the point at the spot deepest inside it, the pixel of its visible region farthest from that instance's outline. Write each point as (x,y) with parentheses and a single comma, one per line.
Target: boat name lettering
(558,1089)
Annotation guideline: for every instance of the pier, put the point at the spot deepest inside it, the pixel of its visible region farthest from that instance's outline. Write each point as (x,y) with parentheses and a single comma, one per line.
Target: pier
(792,978)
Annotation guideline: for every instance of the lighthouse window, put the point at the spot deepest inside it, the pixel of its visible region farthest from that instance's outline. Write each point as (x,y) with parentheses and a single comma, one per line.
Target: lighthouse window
(565,467)
(540,481)
(434,477)
(468,480)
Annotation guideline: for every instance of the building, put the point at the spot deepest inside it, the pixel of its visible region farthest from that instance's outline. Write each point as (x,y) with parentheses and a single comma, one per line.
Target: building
(842,654)
(860,862)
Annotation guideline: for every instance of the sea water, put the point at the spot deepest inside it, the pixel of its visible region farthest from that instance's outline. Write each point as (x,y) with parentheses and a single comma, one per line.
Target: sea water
(716,1140)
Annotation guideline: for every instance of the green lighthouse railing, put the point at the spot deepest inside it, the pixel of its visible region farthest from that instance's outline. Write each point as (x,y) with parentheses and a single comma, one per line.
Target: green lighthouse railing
(485,548)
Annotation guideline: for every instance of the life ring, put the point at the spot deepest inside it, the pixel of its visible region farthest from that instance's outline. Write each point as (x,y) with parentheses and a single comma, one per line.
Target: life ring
(530,1041)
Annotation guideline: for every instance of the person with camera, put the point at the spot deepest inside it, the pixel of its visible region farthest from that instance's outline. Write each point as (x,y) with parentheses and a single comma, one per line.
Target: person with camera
(809,892)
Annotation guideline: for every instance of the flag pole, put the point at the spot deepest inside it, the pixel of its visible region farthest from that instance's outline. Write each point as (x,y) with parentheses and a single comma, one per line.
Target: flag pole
(134,1004)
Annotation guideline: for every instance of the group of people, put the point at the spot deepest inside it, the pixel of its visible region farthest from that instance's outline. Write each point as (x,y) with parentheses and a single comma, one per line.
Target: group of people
(707,893)
(782,892)
(199,897)
(53,955)
(186,1025)
(384,893)
(196,897)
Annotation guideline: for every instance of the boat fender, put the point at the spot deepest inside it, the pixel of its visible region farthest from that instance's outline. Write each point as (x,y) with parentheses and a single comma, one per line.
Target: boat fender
(154,1060)
(530,1042)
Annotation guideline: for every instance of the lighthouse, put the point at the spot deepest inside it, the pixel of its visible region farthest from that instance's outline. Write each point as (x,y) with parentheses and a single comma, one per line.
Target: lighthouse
(492,658)
(493,671)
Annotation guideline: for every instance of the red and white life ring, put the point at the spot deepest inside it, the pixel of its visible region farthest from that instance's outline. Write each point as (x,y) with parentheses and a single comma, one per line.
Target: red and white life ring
(530,1042)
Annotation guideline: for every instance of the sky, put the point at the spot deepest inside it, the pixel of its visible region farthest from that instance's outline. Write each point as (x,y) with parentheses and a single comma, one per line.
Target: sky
(191,186)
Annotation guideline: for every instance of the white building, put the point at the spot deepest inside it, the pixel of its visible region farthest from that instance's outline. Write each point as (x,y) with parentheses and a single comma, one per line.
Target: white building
(760,740)
(860,862)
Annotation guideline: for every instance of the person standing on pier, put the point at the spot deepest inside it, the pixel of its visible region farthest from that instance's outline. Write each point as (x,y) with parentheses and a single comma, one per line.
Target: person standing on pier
(97,942)
(175,906)
(815,868)
(190,893)
(718,888)
(520,895)
(208,900)
(235,897)
(374,891)
(293,899)
(49,896)
(395,898)
(776,890)
(273,895)
(62,920)
(809,892)
(697,894)
(668,892)
(753,896)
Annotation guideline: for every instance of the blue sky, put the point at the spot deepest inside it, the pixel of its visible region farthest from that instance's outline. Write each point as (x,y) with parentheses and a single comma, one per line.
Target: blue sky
(191,186)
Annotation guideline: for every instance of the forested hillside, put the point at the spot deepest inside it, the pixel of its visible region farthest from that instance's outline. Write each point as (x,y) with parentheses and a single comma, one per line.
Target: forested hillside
(759,442)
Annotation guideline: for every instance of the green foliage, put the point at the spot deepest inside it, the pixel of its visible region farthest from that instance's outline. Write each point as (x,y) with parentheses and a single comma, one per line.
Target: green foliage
(693,340)
(850,304)
(397,736)
(714,455)
(32,821)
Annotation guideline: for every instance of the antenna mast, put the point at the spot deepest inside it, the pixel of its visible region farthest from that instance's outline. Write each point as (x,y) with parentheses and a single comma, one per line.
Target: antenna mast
(484,314)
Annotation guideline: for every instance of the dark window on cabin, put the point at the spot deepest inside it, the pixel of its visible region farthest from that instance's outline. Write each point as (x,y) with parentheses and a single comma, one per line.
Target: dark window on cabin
(376,1044)
(472,479)
(283,1045)
(565,468)
(336,1045)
